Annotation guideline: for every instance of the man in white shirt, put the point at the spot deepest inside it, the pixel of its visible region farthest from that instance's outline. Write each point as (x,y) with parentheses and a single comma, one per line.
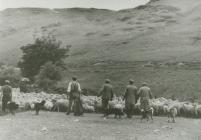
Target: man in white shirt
(74,91)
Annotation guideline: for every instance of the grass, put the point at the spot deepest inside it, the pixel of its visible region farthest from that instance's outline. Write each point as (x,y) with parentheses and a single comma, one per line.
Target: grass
(51,126)
(164,80)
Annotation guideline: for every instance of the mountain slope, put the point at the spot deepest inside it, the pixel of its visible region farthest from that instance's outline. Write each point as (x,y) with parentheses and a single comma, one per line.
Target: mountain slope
(146,43)
(165,30)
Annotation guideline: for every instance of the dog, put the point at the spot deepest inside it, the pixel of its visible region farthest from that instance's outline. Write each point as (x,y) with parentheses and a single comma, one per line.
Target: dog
(12,107)
(148,113)
(172,113)
(39,106)
(117,111)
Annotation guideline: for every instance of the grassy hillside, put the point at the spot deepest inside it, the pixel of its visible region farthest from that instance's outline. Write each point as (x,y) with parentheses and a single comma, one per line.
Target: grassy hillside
(117,44)
(161,30)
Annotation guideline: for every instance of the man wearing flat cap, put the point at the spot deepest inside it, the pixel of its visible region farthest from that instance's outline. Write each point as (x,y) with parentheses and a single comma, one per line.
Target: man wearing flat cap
(74,91)
(107,94)
(130,98)
(145,95)
(6,95)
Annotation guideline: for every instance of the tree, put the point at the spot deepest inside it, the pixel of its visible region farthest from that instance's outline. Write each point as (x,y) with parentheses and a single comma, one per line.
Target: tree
(43,50)
(10,73)
(48,76)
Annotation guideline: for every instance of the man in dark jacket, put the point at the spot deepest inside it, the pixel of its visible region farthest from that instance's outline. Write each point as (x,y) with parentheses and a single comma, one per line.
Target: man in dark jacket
(130,98)
(145,95)
(107,94)
(74,91)
(6,95)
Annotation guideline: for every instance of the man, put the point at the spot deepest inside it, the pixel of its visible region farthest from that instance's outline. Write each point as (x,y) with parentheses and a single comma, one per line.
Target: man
(130,97)
(74,91)
(107,94)
(6,95)
(145,95)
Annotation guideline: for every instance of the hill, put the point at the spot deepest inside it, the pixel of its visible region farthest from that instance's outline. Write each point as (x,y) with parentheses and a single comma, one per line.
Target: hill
(158,42)
(165,30)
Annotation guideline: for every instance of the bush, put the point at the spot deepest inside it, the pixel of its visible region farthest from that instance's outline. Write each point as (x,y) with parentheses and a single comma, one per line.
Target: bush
(61,88)
(43,50)
(48,76)
(10,73)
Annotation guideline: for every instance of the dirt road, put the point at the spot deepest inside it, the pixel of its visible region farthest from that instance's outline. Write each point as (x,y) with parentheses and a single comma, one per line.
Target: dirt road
(58,126)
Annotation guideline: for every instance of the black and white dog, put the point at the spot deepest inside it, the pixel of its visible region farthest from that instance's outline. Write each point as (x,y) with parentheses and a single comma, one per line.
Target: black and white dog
(39,106)
(12,107)
(147,113)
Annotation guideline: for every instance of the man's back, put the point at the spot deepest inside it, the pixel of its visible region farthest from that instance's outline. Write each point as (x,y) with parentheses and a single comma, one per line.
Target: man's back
(131,93)
(145,92)
(74,86)
(7,91)
(107,91)
(74,89)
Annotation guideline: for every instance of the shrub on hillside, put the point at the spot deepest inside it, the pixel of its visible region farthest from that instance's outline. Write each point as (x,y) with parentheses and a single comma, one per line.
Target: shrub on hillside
(10,73)
(43,50)
(48,76)
(61,88)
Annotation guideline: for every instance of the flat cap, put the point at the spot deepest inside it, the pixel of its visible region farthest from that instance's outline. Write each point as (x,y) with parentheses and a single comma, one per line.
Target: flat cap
(131,80)
(107,81)
(144,84)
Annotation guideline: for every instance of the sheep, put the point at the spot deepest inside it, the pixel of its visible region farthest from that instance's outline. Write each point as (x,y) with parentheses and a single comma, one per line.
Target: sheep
(90,100)
(172,113)
(165,109)
(116,107)
(189,110)
(57,102)
(157,105)
(60,105)
(98,105)
(198,108)
(49,105)
(178,105)
(88,108)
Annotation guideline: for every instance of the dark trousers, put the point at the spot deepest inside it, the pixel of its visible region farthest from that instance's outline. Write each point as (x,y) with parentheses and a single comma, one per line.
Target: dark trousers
(77,108)
(129,109)
(4,104)
(71,101)
(105,106)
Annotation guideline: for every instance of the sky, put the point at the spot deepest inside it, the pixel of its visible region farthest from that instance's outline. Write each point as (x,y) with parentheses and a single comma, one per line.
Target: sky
(101,4)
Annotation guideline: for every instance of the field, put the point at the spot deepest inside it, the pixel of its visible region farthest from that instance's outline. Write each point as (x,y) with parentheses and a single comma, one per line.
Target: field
(58,126)
(181,80)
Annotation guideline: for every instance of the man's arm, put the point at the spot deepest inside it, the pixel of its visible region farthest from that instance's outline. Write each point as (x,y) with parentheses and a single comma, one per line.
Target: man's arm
(136,96)
(11,94)
(79,88)
(68,90)
(150,94)
(69,87)
(125,94)
(1,94)
(139,92)
(112,94)
(101,91)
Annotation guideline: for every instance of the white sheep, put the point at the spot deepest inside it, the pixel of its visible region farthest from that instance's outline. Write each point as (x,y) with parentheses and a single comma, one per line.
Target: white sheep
(189,110)
(60,105)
